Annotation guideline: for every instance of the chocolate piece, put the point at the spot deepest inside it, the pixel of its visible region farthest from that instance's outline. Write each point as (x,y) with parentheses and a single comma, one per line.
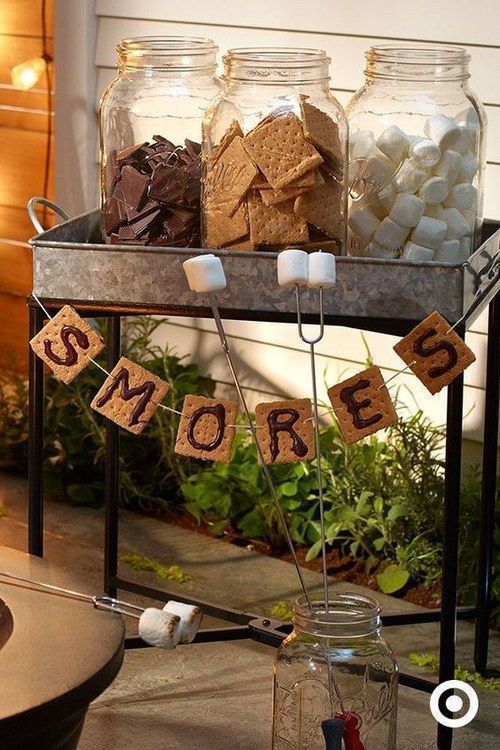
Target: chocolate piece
(134,186)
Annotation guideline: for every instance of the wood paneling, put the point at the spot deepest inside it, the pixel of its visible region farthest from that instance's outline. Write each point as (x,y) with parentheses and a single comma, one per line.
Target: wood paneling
(23,143)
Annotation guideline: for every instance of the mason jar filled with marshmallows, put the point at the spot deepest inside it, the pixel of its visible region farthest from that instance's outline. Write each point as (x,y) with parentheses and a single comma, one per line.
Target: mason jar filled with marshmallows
(416,156)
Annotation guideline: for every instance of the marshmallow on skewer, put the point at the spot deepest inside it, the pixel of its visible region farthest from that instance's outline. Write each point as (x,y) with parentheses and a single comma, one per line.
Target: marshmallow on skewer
(407,210)
(456,223)
(434,190)
(393,143)
(462,196)
(449,252)
(423,152)
(160,629)
(321,270)
(292,267)
(190,619)
(363,223)
(415,252)
(429,232)
(442,130)
(205,273)
(448,166)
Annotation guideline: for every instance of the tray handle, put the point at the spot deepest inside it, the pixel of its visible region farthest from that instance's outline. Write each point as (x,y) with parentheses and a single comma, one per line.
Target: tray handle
(34,202)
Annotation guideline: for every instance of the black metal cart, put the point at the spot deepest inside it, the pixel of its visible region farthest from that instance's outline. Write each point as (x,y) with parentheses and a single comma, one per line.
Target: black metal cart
(73,248)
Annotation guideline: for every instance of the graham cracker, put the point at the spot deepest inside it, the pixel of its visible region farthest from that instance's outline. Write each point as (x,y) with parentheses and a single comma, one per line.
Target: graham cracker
(322,131)
(280,150)
(435,353)
(271,226)
(233,172)
(233,130)
(130,395)
(221,229)
(321,207)
(212,427)
(362,405)
(66,344)
(285,445)
(243,244)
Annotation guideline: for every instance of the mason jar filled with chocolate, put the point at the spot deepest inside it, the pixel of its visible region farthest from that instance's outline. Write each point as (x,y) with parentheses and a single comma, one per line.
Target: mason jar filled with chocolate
(274,154)
(150,130)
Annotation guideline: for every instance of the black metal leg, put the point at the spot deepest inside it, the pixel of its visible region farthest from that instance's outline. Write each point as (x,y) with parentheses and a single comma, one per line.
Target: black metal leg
(453,461)
(488,488)
(112,472)
(35,449)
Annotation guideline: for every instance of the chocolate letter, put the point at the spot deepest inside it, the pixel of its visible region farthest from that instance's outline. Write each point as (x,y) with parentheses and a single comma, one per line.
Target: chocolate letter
(220,413)
(71,357)
(354,407)
(439,346)
(121,380)
(276,426)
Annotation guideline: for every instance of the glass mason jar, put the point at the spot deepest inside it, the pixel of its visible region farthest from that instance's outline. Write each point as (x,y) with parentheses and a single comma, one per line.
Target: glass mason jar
(275,154)
(361,690)
(150,134)
(417,156)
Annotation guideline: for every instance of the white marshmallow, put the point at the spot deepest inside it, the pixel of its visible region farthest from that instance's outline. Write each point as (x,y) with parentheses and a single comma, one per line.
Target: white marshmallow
(387,196)
(361,144)
(433,209)
(457,225)
(409,177)
(449,252)
(465,140)
(467,168)
(429,232)
(470,218)
(461,196)
(371,201)
(407,210)
(393,143)
(442,130)
(363,223)
(390,235)
(448,166)
(469,118)
(321,270)
(434,190)
(377,167)
(292,267)
(424,152)
(205,273)
(190,619)
(160,629)
(416,252)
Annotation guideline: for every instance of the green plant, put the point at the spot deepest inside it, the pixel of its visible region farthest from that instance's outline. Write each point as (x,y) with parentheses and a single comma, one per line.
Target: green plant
(150,471)
(430,662)
(161,571)
(282,611)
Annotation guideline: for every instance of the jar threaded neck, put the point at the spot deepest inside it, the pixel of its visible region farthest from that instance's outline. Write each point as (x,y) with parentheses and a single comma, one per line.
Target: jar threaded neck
(349,616)
(171,53)
(417,63)
(276,65)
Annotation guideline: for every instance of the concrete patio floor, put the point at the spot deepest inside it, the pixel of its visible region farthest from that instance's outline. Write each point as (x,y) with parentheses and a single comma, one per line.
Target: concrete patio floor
(214,696)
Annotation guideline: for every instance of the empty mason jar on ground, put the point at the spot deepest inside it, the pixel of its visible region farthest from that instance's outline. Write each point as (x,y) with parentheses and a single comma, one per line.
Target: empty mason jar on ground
(274,151)
(151,117)
(416,157)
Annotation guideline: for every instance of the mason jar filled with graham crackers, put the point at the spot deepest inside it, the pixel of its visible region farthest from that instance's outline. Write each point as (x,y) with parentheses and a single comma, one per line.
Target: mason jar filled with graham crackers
(274,154)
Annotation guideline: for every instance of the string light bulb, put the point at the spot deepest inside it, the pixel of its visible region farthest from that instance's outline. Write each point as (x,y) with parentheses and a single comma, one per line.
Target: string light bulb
(27,74)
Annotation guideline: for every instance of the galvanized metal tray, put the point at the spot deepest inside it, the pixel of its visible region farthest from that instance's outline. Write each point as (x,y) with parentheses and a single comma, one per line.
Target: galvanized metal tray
(71,263)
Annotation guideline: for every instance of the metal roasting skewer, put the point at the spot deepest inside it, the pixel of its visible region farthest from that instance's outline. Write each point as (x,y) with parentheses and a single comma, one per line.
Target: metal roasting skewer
(265,468)
(332,685)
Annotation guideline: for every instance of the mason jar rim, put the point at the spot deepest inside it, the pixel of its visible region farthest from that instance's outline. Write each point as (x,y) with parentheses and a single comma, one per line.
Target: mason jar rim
(166,45)
(172,54)
(293,57)
(343,609)
(428,61)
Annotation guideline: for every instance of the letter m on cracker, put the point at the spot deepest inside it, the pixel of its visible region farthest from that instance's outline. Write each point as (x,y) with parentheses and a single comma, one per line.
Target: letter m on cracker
(130,396)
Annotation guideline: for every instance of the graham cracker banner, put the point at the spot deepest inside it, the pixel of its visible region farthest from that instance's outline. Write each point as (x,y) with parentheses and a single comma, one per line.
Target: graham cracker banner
(131,394)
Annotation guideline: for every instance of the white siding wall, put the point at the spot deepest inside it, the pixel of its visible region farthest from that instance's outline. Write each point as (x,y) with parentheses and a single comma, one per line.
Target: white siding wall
(271,356)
